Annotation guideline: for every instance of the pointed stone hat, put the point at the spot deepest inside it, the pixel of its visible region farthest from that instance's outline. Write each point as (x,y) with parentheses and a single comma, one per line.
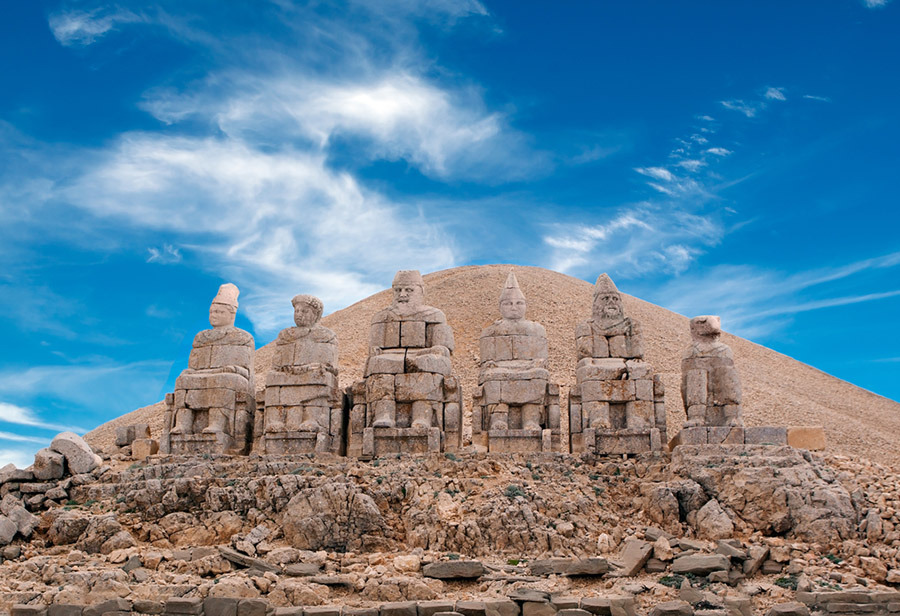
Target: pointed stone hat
(511,290)
(228,295)
(408,277)
(605,284)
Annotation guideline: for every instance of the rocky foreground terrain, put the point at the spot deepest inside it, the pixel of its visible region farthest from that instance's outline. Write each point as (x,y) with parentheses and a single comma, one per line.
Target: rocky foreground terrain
(717,530)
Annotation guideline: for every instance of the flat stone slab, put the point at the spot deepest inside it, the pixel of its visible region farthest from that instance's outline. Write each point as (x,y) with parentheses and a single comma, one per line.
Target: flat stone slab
(633,558)
(701,564)
(453,569)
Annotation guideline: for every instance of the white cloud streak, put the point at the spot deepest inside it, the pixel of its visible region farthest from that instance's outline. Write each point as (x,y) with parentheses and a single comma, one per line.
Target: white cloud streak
(748,109)
(82,28)
(10,413)
(775,94)
(167,254)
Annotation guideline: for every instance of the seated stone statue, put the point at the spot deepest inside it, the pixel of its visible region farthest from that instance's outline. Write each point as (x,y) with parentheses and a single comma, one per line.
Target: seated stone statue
(302,394)
(710,385)
(615,389)
(514,390)
(408,382)
(214,395)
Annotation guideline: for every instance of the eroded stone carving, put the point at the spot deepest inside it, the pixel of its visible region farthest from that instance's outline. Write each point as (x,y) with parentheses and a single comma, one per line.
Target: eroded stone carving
(617,404)
(210,410)
(409,400)
(302,407)
(710,385)
(515,403)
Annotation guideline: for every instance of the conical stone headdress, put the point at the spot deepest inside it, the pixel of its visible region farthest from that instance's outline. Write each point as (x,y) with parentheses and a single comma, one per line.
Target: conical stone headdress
(228,295)
(511,290)
(605,284)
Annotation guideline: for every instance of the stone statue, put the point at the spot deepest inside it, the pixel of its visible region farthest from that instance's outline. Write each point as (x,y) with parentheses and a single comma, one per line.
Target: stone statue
(302,399)
(514,390)
(408,382)
(710,385)
(617,396)
(214,395)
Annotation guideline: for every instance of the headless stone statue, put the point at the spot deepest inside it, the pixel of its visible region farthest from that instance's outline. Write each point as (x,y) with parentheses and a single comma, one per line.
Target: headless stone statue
(218,382)
(513,364)
(409,355)
(710,385)
(301,388)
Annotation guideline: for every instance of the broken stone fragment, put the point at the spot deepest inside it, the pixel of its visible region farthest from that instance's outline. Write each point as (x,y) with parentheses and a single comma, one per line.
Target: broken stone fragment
(79,455)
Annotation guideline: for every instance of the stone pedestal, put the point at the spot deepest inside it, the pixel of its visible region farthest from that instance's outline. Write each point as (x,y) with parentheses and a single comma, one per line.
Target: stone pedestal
(516,439)
(235,439)
(366,441)
(730,435)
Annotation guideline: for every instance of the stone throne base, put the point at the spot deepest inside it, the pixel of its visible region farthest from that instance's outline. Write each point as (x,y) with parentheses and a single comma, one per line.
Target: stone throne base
(365,441)
(199,442)
(516,439)
(616,442)
(277,443)
(801,437)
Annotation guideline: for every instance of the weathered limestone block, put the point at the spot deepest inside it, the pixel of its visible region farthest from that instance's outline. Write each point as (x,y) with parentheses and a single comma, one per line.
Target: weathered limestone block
(213,404)
(617,404)
(335,515)
(515,403)
(48,464)
(454,569)
(409,400)
(302,395)
(126,434)
(144,447)
(710,385)
(79,456)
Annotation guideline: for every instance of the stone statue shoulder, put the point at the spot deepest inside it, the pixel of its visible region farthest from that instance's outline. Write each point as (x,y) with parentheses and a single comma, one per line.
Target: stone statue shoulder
(626,326)
(231,336)
(318,333)
(429,314)
(509,327)
(583,328)
(708,349)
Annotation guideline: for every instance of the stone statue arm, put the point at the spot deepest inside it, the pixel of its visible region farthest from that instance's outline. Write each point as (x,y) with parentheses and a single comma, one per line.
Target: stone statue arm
(376,338)
(441,338)
(584,343)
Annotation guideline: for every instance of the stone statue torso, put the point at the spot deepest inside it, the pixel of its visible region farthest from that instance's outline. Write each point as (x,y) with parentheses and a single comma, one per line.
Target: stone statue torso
(299,347)
(222,349)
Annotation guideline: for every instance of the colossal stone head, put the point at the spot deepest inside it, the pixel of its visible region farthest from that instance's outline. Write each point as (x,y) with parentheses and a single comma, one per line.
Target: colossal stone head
(224,306)
(512,300)
(409,290)
(706,328)
(607,306)
(307,310)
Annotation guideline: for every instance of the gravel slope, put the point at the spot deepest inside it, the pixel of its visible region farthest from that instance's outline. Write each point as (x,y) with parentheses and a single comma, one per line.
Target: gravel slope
(778,390)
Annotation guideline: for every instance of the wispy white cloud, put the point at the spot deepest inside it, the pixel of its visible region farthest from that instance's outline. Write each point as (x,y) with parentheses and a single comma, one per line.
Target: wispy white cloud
(691,164)
(749,109)
(813,97)
(78,28)
(719,151)
(656,172)
(875,4)
(18,438)
(10,413)
(757,303)
(775,94)
(635,241)
(166,254)
(99,383)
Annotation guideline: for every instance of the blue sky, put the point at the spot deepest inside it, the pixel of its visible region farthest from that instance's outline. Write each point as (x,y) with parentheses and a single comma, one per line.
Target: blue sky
(729,158)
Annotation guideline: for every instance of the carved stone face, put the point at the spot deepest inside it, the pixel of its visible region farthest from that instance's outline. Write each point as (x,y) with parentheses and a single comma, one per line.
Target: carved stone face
(513,309)
(305,315)
(221,315)
(706,328)
(408,297)
(608,307)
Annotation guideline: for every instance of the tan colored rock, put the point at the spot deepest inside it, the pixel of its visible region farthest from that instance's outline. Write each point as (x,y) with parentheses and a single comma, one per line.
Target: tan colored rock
(335,515)
(144,448)
(214,401)
(48,464)
(712,522)
(710,385)
(79,456)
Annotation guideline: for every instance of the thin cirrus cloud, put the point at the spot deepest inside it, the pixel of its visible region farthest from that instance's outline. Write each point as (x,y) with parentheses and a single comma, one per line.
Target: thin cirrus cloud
(78,28)
(10,413)
(757,303)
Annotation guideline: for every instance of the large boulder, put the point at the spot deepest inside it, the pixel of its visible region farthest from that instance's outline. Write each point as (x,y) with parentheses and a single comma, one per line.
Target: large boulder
(712,522)
(8,530)
(48,464)
(79,455)
(104,534)
(332,516)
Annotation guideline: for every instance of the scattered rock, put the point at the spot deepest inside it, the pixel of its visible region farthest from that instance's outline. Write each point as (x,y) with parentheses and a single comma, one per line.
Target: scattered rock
(79,456)
(701,564)
(453,569)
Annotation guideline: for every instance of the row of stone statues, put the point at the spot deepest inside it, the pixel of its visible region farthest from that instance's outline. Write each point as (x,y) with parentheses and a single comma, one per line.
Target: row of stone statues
(409,401)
